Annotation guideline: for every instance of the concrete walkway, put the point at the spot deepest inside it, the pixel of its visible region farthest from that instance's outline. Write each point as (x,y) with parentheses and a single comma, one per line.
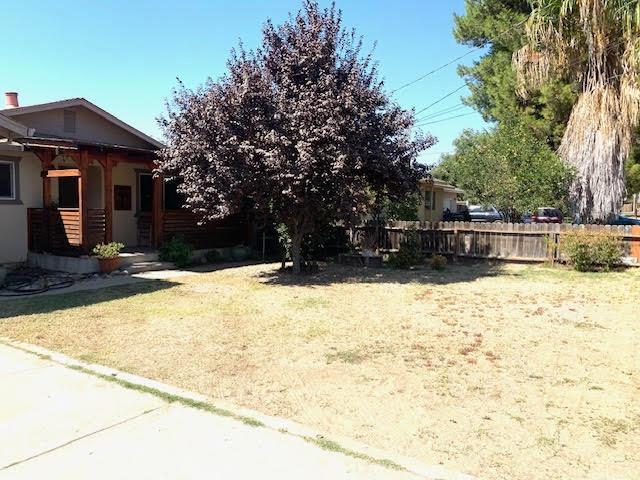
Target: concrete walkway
(58,423)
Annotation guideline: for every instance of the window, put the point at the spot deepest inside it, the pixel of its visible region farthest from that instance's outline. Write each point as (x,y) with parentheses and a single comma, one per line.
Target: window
(9,180)
(122,197)
(430,200)
(7,176)
(69,121)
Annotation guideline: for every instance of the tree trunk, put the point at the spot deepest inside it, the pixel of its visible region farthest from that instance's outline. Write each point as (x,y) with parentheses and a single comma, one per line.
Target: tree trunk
(597,143)
(296,250)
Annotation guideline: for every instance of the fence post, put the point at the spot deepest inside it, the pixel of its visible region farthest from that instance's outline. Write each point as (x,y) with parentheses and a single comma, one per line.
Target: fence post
(456,240)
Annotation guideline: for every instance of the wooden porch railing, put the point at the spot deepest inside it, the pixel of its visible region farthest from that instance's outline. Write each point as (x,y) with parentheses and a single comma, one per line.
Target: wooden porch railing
(223,233)
(57,230)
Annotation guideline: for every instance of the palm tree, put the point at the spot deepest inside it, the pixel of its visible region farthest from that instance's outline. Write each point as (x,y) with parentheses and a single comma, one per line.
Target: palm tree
(595,43)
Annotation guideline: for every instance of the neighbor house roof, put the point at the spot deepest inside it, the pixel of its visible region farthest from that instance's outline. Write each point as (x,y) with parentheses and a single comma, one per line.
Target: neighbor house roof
(436,183)
(10,128)
(82,102)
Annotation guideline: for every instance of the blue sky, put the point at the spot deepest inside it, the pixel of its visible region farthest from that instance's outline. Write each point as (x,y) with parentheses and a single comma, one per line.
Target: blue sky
(125,55)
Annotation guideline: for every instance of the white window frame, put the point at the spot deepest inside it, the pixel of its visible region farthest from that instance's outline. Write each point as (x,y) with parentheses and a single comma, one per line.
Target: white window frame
(429,197)
(14,184)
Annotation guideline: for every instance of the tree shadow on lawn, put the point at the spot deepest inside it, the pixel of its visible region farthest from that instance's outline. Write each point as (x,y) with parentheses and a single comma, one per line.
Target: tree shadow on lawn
(462,271)
(61,301)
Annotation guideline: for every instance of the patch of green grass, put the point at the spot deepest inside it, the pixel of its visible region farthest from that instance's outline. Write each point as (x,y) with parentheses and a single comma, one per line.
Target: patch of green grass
(315,331)
(170,398)
(545,441)
(332,446)
(608,430)
(346,356)
(309,302)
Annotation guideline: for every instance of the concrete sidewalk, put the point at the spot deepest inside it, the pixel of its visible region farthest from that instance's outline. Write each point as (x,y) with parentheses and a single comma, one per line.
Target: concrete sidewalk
(58,423)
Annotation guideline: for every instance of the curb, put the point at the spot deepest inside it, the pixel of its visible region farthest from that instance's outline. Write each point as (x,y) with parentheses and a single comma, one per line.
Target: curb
(284,426)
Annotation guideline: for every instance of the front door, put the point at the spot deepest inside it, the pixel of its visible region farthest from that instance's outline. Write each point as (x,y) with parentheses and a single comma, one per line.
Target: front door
(145,207)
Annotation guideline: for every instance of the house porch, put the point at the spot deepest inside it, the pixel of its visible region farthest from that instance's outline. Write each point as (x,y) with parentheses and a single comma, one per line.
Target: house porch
(92,195)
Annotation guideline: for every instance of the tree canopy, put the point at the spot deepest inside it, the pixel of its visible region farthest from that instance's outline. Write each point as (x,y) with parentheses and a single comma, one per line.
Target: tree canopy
(300,130)
(499,24)
(595,43)
(509,168)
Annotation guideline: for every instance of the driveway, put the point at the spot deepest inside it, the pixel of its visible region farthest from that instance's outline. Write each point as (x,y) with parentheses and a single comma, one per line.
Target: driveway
(58,423)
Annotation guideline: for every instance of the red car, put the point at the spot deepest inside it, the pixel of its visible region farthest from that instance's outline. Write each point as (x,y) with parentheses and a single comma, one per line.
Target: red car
(547,215)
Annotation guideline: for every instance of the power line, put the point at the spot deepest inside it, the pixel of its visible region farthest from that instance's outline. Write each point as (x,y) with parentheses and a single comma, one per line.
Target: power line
(465,84)
(451,62)
(441,99)
(445,119)
(453,108)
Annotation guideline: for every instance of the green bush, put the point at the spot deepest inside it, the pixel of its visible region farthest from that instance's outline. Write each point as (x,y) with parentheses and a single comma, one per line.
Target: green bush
(108,250)
(213,256)
(409,253)
(588,251)
(438,262)
(177,251)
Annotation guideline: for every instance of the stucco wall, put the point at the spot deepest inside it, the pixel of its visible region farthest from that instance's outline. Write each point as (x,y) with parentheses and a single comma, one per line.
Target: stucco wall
(13,218)
(125,222)
(443,200)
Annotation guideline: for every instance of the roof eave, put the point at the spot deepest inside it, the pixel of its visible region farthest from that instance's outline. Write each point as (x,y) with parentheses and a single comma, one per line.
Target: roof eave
(11,128)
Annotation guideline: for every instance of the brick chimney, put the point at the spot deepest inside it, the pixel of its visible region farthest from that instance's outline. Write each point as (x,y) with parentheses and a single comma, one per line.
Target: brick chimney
(11,100)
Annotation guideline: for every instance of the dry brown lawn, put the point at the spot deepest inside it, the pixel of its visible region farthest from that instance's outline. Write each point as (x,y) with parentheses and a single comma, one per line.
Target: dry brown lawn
(519,372)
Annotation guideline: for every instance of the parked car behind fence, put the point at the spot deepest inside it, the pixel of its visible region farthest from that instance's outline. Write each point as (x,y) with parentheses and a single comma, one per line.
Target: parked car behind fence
(484,213)
(547,215)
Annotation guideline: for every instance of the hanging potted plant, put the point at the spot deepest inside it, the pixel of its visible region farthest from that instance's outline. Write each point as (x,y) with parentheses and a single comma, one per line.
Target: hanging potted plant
(108,255)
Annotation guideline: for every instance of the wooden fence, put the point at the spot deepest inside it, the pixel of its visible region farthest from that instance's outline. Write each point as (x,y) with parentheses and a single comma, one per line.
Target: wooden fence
(508,241)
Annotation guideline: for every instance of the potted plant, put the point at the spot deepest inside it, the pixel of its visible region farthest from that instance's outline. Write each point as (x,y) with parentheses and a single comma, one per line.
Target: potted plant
(108,255)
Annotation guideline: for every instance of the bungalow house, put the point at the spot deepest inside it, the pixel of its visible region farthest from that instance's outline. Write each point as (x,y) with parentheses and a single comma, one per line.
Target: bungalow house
(73,175)
(436,196)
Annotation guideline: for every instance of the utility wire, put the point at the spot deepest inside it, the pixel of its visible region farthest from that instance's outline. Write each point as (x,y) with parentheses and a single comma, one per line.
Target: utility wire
(441,99)
(445,119)
(453,108)
(451,62)
(464,85)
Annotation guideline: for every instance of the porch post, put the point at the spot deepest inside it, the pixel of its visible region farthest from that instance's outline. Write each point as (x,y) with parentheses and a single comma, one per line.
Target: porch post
(157,220)
(46,157)
(83,165)
(108,199)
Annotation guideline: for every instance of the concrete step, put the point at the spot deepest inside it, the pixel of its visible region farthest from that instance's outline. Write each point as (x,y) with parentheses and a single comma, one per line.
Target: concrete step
(139,267)
(138,257)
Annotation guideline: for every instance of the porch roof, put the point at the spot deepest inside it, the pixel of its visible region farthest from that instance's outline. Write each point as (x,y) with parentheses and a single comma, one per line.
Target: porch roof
(11,128)
(73,144)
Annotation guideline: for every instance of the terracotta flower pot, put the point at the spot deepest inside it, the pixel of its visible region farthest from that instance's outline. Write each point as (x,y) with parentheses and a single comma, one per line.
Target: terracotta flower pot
(108,265)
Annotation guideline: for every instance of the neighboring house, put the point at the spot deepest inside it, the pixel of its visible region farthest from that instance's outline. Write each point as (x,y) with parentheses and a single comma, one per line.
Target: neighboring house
(436,196)
(73,175)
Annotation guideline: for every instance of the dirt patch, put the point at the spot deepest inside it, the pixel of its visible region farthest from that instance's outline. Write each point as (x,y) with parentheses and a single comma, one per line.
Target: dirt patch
(501,372)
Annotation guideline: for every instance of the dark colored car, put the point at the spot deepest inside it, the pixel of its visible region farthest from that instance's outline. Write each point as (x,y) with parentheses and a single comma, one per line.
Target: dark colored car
(622,220)
(462,215)
(547,215)
(484,213)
